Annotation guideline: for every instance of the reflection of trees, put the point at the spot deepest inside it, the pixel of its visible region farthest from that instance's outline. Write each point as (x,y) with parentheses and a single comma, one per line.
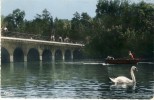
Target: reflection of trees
(119,70)
(13,75)
(145,72)
(69,77)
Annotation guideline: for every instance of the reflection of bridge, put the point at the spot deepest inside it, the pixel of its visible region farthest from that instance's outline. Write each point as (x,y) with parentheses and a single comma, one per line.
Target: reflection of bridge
(19,49)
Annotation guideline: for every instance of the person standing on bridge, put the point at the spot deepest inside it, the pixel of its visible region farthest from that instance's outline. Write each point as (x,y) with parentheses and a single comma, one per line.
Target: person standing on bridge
(60,39)
(66,39)
(52,38)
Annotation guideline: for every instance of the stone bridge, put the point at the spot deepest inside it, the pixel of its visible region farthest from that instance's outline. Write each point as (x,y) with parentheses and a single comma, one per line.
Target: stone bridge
(20,50)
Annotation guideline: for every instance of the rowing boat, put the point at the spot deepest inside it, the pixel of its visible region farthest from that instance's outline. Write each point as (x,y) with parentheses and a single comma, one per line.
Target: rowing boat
(122,61)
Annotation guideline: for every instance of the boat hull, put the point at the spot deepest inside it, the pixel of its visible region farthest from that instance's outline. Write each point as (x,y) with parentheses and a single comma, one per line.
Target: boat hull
(122,61)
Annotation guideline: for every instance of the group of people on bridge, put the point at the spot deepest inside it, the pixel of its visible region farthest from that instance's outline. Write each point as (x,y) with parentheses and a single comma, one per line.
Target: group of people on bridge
(60,39)
(52,38)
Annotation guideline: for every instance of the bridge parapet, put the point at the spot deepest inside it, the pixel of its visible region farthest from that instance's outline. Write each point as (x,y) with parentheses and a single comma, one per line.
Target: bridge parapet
(34,37)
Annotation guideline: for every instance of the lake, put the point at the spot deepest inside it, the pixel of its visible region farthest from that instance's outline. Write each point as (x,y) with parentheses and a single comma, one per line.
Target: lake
(73,80)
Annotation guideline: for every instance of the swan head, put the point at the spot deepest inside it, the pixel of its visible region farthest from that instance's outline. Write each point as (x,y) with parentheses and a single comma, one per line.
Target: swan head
(134,68)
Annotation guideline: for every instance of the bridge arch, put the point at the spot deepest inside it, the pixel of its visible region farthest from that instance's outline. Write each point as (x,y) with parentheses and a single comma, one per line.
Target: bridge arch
(77,54)
(18,55)
(58,54)
(5,56)
(46,55)
(67,54)
(33,55)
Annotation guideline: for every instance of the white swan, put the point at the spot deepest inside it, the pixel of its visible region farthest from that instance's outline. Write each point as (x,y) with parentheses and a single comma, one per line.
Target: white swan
(125,80)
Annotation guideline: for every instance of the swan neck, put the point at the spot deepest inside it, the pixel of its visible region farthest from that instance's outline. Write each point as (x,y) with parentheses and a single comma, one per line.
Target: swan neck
(133,76)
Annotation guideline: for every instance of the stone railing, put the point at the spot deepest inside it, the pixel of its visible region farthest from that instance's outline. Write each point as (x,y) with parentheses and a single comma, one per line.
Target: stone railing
(33,36)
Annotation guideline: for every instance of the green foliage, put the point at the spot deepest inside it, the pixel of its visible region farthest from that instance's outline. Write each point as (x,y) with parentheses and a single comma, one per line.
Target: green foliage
(15,21)
(80,27)
(42,24)
(61,27)
(122,26)
(119,26)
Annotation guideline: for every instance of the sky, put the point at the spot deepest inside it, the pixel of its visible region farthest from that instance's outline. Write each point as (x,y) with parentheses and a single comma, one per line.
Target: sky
(62,9)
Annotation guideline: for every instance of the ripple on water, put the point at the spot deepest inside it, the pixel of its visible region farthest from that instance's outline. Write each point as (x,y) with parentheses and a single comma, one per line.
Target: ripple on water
(73,80)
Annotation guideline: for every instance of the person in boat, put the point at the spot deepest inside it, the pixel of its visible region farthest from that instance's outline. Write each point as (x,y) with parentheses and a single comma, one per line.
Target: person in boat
(131,55)
(110,58)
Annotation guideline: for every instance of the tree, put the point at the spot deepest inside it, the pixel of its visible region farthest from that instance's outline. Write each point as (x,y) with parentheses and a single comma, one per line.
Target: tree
(3,23)
(75,26)
(15,20)
(80,27)
(120,26)
(45,22)
(41,25)
(62,27)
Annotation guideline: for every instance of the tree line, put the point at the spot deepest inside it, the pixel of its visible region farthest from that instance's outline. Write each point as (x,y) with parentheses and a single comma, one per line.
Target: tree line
(119,26)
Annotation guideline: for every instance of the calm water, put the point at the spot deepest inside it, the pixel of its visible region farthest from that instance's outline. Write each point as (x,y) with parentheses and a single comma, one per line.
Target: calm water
(73,80)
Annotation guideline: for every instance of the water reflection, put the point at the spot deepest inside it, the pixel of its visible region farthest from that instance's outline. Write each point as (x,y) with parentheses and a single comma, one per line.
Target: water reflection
(72,80)
(124,87)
